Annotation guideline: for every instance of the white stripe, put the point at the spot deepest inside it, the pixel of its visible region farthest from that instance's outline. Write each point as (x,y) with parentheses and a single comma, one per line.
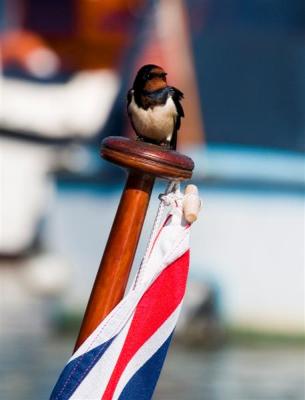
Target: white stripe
(150,347)
(173,241)
(95,383)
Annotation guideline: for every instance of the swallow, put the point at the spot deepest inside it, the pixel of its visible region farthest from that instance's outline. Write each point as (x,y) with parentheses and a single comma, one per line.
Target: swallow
(154,108)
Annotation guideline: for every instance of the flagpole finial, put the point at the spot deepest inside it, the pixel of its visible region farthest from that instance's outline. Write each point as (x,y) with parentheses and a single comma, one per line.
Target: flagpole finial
(147,158)
(145,162)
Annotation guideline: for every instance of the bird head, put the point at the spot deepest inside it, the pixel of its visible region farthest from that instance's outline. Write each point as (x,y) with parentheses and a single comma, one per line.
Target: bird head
(150,78)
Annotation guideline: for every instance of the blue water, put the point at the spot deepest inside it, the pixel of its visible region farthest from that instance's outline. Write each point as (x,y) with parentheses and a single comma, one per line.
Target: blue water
(30,365)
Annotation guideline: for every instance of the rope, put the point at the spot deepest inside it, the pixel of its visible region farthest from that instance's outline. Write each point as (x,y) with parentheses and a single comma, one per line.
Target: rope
(166,199)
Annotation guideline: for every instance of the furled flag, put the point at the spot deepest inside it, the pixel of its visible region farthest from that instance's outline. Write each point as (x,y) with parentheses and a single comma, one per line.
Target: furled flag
(123,357)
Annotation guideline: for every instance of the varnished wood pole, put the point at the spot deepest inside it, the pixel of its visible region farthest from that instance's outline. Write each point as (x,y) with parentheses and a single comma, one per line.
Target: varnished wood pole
(145,162)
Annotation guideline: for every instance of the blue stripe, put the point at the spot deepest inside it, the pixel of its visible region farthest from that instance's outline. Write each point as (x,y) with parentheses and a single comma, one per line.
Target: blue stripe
(75,372)
(142,385)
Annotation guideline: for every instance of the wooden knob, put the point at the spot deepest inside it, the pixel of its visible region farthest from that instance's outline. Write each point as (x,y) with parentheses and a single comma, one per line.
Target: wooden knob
(191,203)
(147,158)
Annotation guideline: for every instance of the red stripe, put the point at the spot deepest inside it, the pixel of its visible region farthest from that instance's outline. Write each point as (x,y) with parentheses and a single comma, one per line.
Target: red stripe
(156,305)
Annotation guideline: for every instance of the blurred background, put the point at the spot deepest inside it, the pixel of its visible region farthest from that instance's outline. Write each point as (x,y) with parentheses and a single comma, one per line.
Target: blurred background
(65,68)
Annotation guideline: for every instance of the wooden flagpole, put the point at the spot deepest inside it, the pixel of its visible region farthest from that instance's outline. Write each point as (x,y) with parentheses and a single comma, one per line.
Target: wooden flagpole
(144,162)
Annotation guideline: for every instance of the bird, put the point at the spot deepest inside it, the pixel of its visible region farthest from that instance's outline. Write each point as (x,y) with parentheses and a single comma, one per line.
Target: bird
(154,108)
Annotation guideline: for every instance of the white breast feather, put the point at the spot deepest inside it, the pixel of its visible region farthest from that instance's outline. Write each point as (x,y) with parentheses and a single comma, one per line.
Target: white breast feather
(155,123)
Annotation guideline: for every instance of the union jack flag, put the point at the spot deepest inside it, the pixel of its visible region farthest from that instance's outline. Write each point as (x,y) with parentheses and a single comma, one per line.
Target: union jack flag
(123,357)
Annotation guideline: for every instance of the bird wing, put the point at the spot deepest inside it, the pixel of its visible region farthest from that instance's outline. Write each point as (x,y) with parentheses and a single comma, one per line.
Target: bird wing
(130,94)
(129,98)
(177,95)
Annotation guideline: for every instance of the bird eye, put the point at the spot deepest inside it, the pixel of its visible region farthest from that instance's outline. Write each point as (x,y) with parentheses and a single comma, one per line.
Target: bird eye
(148,76)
